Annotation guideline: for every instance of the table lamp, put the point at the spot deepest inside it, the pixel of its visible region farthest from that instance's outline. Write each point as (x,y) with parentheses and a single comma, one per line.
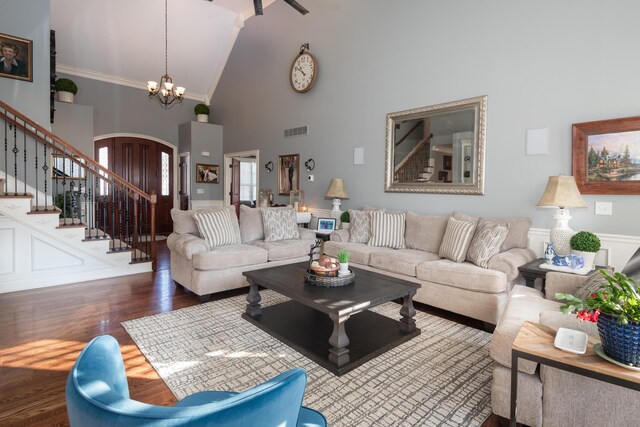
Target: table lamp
(562,193)
(336,192)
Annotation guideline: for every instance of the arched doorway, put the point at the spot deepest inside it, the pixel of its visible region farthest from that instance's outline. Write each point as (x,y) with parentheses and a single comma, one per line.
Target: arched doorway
(145,163)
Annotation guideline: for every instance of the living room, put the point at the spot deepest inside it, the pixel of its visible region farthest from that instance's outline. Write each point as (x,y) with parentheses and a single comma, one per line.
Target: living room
(543,65)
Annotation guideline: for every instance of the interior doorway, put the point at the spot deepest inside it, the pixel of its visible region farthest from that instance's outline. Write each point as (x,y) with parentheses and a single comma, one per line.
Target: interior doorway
(242,186)
(184,180)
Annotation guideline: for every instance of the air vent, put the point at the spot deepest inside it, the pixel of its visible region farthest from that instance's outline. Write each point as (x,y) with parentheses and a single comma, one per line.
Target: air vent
(302,130)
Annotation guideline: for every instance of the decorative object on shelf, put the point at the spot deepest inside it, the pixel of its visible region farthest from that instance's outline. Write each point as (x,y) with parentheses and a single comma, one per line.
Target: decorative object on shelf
(549,253)
(202,113)
(326,224)
(310,165)
(323,270)
(586,245)
(343,258)
(336,191)
(605,156)
(561,193)
(17,57)
(207,173)
(304,208)
(616,308)
(296,199)
(264,198)
(166,93)
(304,70)
(288,173)
(269,166)
(345,220)
(257,6)
(66,89)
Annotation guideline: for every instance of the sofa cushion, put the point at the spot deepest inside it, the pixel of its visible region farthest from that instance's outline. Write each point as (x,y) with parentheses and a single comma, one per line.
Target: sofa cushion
(425,232)
(280,224)
(463,275)
(284,249)
(518,236)
(217,228)
(251,227)
(360,252)
(486,242)
(223,257)
(387,229)
(401,261)
(360,230)
(456,240)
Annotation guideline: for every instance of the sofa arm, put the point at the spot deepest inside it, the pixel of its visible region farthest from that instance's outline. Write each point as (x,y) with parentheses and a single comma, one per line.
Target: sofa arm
(556,319)
(509,261)
(565,283)
(187,245)
(340,236)
(306,234)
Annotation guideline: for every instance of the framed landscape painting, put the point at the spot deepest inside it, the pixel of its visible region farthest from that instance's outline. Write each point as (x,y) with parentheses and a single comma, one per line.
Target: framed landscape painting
(16,57)
(606,156)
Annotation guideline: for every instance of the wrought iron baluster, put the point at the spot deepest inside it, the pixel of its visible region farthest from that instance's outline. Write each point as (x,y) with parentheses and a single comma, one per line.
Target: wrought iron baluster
(45,168)
(24,150)
(35,168)
(15,157)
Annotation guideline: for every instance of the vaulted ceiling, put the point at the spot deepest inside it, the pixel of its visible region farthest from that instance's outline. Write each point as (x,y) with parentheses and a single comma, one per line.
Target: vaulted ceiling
(123,41)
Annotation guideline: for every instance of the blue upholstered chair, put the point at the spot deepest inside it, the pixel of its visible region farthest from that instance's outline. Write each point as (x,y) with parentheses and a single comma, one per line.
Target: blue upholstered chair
(98,395)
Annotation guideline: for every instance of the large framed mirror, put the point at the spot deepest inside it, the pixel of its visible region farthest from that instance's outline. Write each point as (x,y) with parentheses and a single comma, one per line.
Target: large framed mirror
(437,149)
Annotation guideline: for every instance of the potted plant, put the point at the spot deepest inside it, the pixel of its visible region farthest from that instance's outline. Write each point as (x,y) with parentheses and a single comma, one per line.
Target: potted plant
(343,258)
(345,219)
(615,306)
(586,245)
(202,113)
(66,89)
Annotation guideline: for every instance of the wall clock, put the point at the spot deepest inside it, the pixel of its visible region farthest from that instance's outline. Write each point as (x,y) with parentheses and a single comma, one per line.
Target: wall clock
(304,70)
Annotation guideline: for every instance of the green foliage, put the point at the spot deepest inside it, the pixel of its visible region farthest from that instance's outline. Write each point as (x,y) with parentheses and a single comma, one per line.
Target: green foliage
(585,241)
(343,256)
(201,109)
(65,208)
(618,298)
(345,217)
(66,85)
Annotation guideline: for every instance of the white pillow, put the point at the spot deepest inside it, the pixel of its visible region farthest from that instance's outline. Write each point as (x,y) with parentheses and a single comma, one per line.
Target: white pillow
(280,224)
(486,242)
(217,227)
(456,240)
(387,229)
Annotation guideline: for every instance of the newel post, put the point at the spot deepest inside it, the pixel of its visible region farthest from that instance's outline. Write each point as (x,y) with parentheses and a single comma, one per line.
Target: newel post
(154,199)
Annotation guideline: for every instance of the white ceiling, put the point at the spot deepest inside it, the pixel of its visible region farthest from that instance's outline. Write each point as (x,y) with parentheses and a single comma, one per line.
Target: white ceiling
(122,41)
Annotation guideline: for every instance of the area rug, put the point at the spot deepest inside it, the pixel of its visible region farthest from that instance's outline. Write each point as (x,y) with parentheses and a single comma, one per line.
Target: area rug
(440,378)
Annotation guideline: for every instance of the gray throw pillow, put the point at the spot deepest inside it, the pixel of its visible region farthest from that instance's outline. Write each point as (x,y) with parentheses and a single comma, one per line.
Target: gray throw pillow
(592,283)
(486,242)
(456,240)
(360,230)
(216,227)
(280,224)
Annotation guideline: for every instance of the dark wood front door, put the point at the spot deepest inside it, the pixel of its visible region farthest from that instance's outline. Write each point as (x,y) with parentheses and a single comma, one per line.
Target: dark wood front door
(235,185)
(146,164)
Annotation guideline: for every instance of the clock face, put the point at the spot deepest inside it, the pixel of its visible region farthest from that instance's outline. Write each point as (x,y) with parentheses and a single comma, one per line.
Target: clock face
(304,71)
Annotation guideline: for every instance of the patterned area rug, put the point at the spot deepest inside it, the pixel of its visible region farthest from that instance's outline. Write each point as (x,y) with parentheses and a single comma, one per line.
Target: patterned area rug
(439,378)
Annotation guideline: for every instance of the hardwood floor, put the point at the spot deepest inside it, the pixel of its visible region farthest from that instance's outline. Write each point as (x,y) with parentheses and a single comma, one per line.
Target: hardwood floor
(43,331)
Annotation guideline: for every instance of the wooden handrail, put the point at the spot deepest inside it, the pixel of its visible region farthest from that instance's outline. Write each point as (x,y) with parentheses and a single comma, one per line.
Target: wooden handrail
(75,151)
(409,132)
(413,153)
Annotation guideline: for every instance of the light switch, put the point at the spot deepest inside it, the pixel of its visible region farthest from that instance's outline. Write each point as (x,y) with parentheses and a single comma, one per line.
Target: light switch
(604,208)
(205,154)
(200,191)
(358,156)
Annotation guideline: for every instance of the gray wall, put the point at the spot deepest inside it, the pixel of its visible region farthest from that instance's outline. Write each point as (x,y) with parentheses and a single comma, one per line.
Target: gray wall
(29,20)
(203,137)
(548,63)
(74,124)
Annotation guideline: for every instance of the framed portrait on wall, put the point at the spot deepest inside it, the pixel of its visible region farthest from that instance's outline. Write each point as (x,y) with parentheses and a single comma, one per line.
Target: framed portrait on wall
(207,173)
(16,57)
(288,173)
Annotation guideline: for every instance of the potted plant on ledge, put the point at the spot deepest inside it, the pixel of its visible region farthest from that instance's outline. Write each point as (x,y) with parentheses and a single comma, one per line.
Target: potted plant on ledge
(202,113)
(586,245)
(345,220)
(66,90)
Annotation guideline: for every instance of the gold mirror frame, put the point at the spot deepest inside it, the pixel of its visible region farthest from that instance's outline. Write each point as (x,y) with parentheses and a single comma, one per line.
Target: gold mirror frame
(467,161)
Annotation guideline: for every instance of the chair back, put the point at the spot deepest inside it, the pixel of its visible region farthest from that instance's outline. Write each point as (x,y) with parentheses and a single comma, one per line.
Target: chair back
(632,269)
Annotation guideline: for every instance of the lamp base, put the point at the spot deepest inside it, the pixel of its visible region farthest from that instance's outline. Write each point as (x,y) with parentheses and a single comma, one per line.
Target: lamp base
(561,233)
(335,211)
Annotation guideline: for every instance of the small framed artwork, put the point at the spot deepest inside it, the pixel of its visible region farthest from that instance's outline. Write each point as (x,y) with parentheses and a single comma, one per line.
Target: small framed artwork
(326,224)
(446,162)
(288,173)
(16,57)
(207,173)
(606,156)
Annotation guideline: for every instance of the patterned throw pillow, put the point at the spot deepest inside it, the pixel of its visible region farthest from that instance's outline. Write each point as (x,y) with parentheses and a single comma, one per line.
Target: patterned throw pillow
(216,227)
(456,240)
(387,230)
(279,224)
(486,242)
(360,230)
(592,283)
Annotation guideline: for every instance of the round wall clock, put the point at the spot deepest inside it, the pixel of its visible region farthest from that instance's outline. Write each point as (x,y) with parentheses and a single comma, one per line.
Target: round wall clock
(304,70)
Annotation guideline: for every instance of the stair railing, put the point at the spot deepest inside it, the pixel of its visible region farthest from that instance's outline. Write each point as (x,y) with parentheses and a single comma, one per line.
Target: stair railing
(85,193)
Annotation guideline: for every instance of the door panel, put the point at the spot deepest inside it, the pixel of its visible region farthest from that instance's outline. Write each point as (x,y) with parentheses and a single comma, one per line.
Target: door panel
(235,185)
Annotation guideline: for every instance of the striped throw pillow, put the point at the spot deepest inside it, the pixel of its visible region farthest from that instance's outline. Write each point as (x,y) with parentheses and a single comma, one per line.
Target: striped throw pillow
(456,240)
(486,242)
(216,227)
(387,230)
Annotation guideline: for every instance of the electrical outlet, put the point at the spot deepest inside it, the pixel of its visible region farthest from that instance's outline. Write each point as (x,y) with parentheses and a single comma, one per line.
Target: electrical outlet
(310,178)
(604,208)
(200,191)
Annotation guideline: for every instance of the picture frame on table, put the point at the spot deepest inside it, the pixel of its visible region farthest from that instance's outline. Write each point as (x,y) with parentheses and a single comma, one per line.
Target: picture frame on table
(606,156)
(16,57)
(288,173)
(326,224)
(208,174)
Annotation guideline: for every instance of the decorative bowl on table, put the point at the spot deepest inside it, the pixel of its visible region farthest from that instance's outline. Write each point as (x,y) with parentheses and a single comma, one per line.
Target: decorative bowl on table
(326,266)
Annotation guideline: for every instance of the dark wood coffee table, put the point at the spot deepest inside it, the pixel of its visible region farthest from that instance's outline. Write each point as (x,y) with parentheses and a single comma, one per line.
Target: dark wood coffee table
(315,323)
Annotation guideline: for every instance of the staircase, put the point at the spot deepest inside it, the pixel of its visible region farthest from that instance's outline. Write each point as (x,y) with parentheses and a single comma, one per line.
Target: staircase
(64,218)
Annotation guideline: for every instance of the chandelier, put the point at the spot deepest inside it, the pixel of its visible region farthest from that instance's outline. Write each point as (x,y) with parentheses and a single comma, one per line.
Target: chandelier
(165,92)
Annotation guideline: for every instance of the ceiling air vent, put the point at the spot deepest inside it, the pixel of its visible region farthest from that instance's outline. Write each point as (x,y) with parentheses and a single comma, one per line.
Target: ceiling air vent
(302,130)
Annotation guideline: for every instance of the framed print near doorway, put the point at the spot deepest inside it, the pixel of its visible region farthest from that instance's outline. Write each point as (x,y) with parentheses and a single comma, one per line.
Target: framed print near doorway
(288,173)
(207,173)
(16,57)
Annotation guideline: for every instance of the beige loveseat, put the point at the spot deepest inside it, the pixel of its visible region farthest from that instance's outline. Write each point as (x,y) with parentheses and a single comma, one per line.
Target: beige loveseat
(205,270)
(460,287)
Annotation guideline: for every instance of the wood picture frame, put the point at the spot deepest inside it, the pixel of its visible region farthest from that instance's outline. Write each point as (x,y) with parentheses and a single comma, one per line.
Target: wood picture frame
(19,52)
(288,173)
(606,156)
(208,174)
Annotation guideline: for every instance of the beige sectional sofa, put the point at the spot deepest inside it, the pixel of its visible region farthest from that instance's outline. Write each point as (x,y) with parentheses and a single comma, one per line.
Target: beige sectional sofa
(460,287)
(205,270)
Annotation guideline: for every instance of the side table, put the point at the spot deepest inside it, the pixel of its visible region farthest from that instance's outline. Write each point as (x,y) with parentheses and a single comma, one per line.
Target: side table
(535,342)
(532,271)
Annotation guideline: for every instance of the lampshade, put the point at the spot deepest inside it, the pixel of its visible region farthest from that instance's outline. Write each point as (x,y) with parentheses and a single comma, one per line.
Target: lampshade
(561,192)
(336,189)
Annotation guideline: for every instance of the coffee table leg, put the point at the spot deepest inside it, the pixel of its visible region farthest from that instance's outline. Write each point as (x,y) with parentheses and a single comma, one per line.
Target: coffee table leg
(339,341)
(253,308)
(408,323)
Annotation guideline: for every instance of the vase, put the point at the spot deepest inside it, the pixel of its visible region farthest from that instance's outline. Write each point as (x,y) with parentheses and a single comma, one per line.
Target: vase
(344,269)
(345,225)
(202,118)
(549,253)
(620,342)
(65,97)
(589,258)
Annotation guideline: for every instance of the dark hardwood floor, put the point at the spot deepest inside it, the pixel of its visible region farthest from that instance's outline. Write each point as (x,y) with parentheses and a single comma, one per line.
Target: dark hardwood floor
(43,331)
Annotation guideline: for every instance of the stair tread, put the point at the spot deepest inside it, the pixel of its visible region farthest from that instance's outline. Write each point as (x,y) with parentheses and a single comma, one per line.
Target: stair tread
(39,210)
(15,196)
